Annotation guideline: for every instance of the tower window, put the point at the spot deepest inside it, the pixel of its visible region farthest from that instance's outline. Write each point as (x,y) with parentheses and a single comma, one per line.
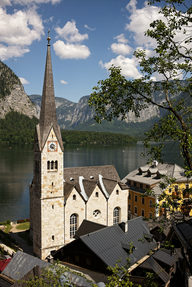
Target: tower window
(52,164)
(53,237)
(56,164)
(48,165)
(52,206)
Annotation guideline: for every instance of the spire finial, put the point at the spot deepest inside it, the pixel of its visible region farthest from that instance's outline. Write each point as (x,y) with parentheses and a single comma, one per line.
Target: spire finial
(48,38)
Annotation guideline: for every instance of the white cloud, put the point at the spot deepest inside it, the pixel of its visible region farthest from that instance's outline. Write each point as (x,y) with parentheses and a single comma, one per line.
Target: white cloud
(23,81)
(50,20)
(89,28)
(128,66)
(71,51)
(63,82)
(20,28)
(121,49)
(28,2)
(121,39)
(70,32)
(146,15)
(131,6)
(11,52)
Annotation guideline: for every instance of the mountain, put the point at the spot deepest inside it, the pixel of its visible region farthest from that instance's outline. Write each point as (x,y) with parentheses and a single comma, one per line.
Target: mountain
(71,116)
(12,94)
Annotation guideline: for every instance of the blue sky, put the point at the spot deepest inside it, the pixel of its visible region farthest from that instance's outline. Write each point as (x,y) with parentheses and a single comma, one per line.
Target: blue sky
(87,36)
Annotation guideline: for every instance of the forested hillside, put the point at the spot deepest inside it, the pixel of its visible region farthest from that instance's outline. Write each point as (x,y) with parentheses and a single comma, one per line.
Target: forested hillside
(80,137)
(19,128)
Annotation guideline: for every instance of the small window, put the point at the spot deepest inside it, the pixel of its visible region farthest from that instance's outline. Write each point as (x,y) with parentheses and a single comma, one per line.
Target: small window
(129,207)
(150,203)
(135,198)
(96,213)
(141,185)
(170,190)
(96,194)
(143,212)
(48,165)
(53,238)
(143,200)
(52,183)
(135,210)
(74,197)
(56,164)
(52,164)
(52,206)
(117,192)
(129,195)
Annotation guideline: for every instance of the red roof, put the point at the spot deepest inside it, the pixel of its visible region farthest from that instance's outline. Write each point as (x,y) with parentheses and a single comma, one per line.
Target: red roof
(4,263)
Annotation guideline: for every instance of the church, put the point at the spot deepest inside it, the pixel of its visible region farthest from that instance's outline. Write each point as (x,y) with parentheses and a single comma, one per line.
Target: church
(61,198)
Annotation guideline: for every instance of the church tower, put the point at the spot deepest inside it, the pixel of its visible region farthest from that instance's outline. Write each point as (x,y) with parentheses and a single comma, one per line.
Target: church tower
(46,190)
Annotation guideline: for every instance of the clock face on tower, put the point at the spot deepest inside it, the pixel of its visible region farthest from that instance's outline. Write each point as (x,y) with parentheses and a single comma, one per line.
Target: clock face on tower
(52,146)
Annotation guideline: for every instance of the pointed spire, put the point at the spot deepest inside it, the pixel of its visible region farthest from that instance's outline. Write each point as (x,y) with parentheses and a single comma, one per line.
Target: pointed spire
(48,116)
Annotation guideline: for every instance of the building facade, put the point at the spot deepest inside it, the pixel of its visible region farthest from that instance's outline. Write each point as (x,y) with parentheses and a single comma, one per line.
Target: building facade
(60,199)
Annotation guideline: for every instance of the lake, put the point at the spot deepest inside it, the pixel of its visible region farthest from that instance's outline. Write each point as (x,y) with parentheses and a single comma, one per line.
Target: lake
(17,162)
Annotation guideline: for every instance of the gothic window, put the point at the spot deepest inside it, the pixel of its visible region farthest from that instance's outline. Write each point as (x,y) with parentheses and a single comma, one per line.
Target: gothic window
(48,165)
(52,164)
(96,213)
(116,215)
(73,224)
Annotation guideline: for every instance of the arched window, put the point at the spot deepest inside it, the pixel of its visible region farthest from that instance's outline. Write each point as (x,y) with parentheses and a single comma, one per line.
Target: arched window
(96,194)
(116,215)
(73,224)
(56,164)
(74,197)
(52,164)
(48,165)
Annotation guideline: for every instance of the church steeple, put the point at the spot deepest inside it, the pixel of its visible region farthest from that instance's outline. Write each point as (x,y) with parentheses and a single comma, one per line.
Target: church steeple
(48,116)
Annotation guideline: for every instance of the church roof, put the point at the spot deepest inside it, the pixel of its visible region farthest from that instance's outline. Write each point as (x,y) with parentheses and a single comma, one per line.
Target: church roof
(91,172)
(48,117)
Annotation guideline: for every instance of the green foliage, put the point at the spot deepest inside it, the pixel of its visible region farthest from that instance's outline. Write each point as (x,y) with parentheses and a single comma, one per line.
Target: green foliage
(116,96)
(81,137)
(17,128)
(51,277)
(7,80)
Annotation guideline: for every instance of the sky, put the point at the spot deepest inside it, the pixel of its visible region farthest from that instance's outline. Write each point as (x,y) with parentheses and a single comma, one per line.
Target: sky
(87,37)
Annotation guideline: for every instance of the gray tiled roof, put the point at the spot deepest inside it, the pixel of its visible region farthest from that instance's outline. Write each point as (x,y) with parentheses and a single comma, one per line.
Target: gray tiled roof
(151,263)
(88,227)
(21,264)
(107,242)
(107,171)
(109,184)
(164,257)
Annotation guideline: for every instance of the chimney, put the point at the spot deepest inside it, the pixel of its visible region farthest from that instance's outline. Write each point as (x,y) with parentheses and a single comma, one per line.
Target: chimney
(124,225)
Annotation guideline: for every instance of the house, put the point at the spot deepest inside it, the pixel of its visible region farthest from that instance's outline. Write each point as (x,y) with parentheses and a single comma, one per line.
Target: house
(61,198)
(102,248)
(180,236)
(148,177)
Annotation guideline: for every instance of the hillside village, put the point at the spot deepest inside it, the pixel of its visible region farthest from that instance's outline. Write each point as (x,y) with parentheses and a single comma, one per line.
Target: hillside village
(88,218)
